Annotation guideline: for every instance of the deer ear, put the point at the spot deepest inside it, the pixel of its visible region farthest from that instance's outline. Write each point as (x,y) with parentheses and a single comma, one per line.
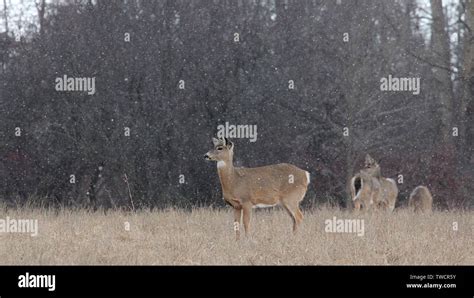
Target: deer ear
(225,141)
(215,141)
(230,145)
(368,159)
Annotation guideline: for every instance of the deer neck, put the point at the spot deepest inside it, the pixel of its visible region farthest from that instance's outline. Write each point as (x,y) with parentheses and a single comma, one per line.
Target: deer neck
(226,172)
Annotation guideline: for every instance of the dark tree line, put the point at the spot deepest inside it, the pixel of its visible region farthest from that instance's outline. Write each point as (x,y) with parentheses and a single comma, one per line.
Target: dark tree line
(334,52)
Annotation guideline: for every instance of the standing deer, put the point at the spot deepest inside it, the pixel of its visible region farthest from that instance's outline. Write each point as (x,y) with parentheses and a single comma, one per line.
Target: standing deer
(368,188)
(365,190)
(246,188)
(420,199)
(388,193)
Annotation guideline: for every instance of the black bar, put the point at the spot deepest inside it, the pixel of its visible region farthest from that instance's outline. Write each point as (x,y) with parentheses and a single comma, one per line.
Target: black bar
(241,280)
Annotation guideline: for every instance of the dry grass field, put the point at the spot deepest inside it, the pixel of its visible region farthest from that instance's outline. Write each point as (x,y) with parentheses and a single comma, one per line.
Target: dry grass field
(205,237)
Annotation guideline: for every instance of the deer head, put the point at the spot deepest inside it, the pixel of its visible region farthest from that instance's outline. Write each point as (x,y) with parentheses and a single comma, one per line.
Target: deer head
(371,167)
(370,162)
(223,151)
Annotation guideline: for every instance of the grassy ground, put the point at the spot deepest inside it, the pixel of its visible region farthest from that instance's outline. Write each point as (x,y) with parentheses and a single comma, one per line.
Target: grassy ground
(205,236)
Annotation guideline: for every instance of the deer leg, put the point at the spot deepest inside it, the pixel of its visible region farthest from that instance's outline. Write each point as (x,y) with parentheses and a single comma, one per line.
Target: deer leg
(295,203)
(291,206)
(298,218)
(299,214)
(237,217)
(247,212)
(287,208)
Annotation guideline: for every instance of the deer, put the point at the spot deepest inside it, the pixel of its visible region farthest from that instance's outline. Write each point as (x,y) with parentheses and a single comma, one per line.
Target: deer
(369,188)
(365,190)
(420,199)
(266,186)
(388,193)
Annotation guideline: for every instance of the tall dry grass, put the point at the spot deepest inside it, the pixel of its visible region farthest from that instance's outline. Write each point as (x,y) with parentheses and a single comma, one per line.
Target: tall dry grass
(205,236)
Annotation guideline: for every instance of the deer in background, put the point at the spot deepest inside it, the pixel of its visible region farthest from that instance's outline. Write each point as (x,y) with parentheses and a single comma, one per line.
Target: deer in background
(365,190)
(388,193)
(368,187)
(420,199)
(246,188)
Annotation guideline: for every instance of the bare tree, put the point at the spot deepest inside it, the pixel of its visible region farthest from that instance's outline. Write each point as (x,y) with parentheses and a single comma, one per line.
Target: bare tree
(442,56)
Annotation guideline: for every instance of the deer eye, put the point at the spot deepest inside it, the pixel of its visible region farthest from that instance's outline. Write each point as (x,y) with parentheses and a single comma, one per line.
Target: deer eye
(219,148)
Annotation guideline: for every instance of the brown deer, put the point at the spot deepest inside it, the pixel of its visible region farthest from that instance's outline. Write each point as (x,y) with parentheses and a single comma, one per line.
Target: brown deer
(246,188)
(387,196)
(365,190)
(369,188)
(420,199)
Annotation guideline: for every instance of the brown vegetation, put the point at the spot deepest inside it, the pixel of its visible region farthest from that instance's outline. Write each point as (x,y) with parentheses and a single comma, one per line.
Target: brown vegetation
(203,236)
